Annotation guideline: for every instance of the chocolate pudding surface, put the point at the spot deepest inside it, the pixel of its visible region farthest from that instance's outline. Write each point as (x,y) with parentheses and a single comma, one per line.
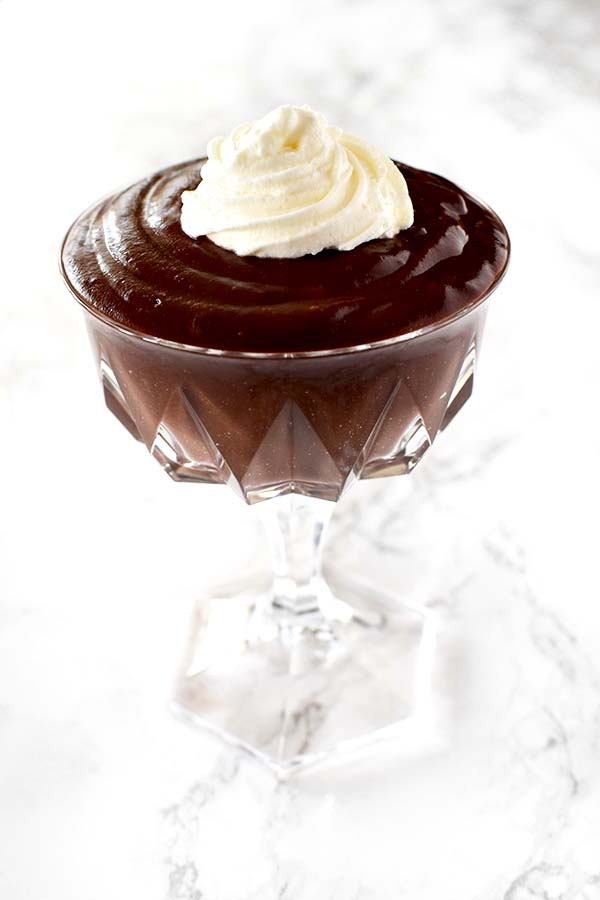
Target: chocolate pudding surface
(128,259)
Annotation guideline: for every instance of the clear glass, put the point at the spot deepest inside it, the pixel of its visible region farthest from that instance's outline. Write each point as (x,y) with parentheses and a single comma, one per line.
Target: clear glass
(298,669)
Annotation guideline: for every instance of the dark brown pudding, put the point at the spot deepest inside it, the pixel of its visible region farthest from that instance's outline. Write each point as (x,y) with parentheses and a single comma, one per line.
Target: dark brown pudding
(257,418)
(128,258)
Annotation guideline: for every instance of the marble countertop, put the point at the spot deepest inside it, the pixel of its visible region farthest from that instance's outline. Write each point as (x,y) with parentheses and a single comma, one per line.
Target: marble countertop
(102,794)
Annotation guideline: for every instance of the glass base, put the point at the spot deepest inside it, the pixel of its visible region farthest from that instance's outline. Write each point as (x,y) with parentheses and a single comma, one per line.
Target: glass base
(296,689)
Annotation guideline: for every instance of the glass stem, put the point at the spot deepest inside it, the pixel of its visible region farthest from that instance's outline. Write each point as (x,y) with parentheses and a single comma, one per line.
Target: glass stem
(296,528)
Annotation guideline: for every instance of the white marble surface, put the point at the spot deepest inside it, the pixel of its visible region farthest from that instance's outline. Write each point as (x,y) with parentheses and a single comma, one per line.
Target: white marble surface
(102,794)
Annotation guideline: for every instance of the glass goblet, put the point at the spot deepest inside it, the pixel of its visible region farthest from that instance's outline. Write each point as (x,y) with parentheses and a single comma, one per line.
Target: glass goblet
(301,668)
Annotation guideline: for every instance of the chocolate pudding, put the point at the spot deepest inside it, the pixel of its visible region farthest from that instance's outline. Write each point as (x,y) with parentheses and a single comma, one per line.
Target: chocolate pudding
(128,259)
(279,375)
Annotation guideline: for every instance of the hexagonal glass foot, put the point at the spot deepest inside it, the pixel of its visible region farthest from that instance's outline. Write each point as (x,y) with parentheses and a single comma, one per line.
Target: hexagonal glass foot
(295,689)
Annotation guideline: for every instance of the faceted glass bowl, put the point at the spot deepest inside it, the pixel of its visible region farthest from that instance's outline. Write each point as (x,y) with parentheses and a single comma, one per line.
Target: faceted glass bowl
(275,424)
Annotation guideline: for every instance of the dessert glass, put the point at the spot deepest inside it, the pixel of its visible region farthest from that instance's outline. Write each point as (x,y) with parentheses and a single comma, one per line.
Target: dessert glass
(298,669)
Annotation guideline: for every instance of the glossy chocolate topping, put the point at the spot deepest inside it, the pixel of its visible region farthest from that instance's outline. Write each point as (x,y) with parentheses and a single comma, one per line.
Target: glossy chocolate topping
(128,258)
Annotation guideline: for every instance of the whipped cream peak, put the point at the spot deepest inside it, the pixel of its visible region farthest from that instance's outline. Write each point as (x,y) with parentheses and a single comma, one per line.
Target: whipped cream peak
(290,184)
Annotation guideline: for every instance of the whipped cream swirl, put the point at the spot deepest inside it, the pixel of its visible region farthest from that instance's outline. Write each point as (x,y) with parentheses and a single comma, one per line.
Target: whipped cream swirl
(290,184)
